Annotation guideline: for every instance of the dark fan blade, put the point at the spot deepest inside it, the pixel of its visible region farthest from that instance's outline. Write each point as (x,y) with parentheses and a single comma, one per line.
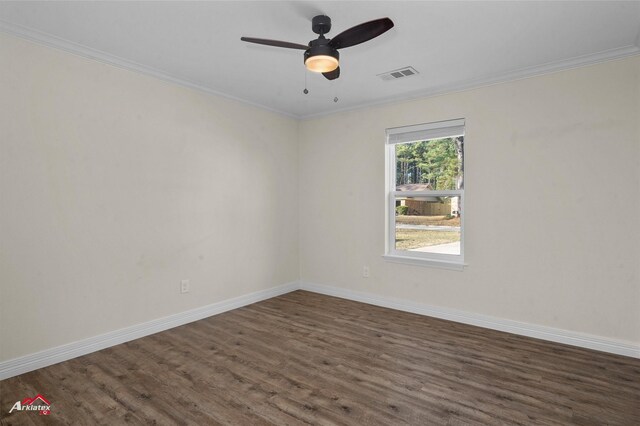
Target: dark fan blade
(276,43)
(332,75)
(361,33)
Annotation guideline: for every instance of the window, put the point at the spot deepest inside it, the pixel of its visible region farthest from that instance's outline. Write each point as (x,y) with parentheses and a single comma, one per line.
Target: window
(425,194)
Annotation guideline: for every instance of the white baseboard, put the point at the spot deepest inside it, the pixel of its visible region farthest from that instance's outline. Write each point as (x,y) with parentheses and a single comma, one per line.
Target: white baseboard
(24,364)
(524,329)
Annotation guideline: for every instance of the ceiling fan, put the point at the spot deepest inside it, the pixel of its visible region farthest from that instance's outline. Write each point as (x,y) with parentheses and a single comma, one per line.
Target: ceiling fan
(321,55)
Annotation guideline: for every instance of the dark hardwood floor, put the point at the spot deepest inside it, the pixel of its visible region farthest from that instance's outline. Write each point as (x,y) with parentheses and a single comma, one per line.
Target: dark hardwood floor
(307,358)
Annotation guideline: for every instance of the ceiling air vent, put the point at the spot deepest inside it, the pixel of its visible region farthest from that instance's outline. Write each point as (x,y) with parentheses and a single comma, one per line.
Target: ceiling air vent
(396,74)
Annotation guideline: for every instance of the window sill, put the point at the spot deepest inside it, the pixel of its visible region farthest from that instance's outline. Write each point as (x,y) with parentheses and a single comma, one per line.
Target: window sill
(418,261)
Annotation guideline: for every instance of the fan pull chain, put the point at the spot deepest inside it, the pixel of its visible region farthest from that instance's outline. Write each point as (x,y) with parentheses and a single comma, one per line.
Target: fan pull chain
(305,91)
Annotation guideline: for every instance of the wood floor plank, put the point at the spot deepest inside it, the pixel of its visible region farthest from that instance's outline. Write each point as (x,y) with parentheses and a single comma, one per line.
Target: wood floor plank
(305,358)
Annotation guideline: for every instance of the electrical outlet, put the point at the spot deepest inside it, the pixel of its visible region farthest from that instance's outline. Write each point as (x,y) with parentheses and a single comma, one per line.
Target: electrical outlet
(365,271)
(184,286)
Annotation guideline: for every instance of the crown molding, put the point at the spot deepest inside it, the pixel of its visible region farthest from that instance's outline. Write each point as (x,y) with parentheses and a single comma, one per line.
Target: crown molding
(520,74)
(548,68)
(90,53)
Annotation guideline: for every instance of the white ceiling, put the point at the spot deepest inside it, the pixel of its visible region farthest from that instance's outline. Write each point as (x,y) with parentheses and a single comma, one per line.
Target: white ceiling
(453,45)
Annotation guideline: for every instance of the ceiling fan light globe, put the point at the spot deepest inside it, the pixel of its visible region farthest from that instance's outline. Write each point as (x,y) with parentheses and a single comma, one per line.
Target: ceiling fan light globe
(321,63)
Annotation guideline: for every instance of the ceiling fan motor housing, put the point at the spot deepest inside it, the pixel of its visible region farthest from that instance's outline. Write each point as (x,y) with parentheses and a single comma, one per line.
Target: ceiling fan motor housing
(321,24)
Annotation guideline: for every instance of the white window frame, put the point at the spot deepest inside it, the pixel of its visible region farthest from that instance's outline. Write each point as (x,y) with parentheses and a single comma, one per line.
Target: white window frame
(408,134)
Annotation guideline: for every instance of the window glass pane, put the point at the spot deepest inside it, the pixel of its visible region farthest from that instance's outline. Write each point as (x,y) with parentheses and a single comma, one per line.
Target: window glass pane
(428,224)
(436,164)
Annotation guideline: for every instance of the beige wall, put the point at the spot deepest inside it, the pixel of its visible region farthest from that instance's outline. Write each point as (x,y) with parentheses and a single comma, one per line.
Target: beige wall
(115,186)
(541,156)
